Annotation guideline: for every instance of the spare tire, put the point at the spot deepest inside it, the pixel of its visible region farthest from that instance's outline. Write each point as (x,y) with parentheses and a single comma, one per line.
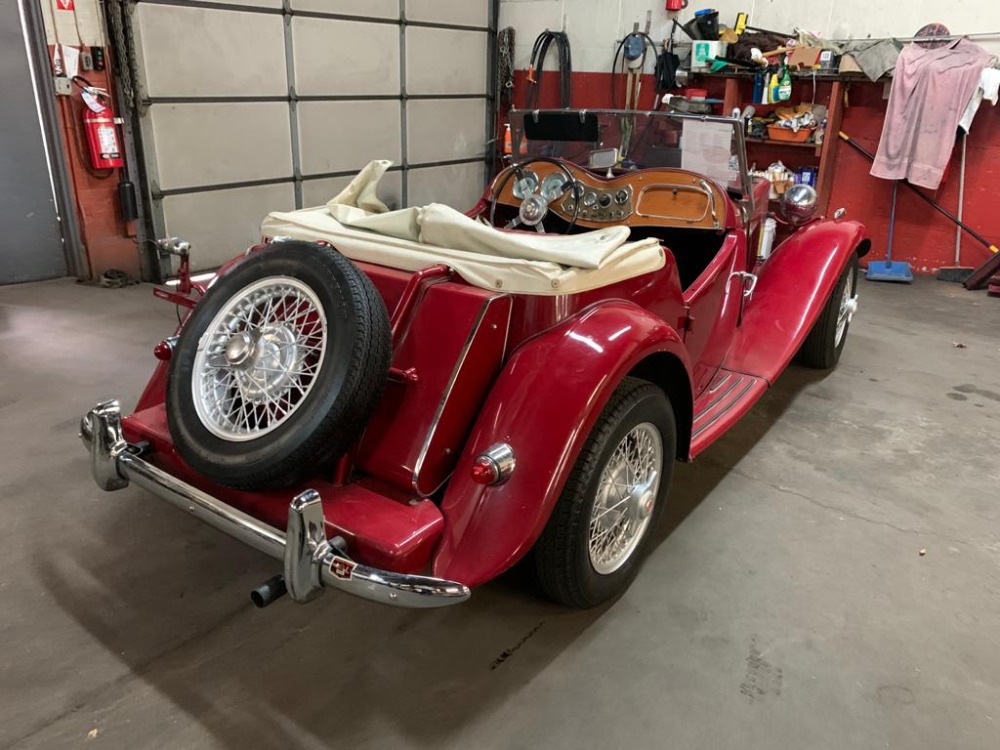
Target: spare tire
(278,368)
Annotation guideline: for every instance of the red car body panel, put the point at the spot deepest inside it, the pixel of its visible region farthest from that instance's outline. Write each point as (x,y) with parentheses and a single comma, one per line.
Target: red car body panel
(775,322)
(385,528)
(544,404)
(454,348)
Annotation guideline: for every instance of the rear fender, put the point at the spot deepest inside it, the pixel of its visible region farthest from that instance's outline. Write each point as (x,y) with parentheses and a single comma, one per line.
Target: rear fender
(544,404)
(792,287)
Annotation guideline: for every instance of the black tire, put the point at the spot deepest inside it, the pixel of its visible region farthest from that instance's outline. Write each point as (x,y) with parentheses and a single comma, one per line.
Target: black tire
(561,554)
(821,350)
(334,411)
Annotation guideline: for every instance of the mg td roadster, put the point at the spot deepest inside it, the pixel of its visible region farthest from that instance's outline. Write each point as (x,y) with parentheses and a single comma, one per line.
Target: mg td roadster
(404,404)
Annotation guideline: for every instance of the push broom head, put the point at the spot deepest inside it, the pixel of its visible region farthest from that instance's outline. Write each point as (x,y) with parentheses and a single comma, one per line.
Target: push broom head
(889,270)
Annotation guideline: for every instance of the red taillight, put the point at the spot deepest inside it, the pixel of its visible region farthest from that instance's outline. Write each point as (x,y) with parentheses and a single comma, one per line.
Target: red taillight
(494,466)
(165,349)
(484,471)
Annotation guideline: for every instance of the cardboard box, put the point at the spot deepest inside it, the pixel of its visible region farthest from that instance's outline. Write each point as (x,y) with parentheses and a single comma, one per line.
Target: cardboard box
(804,57)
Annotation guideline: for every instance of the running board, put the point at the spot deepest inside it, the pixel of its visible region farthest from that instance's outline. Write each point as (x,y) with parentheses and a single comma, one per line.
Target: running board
(728,398)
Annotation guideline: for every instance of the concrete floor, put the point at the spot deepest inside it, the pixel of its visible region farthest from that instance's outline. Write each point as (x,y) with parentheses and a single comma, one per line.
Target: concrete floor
(787,604)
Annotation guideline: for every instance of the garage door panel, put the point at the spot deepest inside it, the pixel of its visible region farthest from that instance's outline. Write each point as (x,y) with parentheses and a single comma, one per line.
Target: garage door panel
(338,136)
(456,185)
(367,8)
(222,223)
(217,143)
(211,52)
(445,61)
(325,50)
(445,129)
(255,3)
(458,12)
(319,192)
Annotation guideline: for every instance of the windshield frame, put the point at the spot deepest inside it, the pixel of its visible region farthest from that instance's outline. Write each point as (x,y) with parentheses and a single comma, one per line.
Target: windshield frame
(739,135)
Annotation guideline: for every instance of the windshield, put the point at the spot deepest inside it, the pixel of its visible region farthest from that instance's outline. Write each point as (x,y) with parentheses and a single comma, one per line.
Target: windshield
(599,139)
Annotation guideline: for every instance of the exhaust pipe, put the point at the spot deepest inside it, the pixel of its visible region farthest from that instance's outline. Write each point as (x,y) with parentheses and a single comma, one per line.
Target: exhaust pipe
(269,591)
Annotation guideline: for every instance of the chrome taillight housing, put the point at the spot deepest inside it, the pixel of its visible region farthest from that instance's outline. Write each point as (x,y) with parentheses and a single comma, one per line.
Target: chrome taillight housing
(494,466)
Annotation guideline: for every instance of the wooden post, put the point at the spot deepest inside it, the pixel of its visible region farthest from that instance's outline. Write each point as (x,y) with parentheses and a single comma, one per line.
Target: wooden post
(732,99)
(831,146)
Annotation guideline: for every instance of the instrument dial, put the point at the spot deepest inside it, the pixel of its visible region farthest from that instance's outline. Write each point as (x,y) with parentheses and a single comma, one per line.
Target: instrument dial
(621,197)
(605,200)
(590,198)
(552,186)
(526,185)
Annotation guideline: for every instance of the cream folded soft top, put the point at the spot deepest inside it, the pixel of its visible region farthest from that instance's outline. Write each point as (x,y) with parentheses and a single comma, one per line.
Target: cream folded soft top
(360,226)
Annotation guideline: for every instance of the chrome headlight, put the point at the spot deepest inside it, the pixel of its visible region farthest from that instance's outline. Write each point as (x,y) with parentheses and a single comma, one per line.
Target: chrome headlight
(799,204)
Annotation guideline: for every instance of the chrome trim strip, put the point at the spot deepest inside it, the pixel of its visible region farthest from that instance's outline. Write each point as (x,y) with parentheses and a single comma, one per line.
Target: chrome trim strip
(422,456)
(310,561)
(703,190)
(720,397)
(719,416)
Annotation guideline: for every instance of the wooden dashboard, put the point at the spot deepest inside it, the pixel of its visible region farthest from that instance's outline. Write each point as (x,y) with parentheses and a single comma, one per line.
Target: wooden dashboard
(658,197)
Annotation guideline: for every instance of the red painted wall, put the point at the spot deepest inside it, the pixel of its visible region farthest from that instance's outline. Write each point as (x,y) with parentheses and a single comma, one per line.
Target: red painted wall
(110,242)
(924,237)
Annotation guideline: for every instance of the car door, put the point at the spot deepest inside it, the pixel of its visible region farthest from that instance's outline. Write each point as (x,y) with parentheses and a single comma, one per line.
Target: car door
(713,303)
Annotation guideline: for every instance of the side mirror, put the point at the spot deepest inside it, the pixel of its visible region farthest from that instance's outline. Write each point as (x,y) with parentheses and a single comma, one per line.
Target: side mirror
(604,158)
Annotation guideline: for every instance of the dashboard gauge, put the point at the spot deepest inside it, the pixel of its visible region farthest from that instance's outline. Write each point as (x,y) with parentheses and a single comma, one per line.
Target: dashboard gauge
(605,200)
(526,185)
(590,198)
(621,197)
(552,186)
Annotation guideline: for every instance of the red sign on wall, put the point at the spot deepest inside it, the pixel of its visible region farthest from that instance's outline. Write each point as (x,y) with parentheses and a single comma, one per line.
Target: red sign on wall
(64,4)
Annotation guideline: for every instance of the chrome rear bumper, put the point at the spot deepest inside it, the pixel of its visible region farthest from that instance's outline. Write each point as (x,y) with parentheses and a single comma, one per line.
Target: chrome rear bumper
(311,561)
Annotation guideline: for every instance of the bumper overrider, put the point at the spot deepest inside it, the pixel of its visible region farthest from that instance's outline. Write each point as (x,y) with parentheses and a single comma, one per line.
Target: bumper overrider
(311,561)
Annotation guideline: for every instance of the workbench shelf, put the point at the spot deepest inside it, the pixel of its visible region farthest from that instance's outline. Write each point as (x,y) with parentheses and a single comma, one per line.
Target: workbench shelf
(831,91)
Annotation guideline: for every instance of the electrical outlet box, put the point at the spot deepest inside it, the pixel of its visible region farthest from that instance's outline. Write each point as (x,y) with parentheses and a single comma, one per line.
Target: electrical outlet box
(64,86)
(86,61)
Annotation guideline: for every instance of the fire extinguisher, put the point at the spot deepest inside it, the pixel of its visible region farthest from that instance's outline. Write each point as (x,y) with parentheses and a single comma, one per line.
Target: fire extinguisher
(102,138)
(100,131)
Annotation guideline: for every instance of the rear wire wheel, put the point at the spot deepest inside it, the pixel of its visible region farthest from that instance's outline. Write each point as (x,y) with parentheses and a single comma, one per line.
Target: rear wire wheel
(279,368)
(600,528)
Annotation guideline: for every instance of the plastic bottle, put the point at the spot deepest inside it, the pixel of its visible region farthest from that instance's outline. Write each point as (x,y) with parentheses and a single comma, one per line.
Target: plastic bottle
(772,89)
(785,89)
(767,235)
(758,88)
(820,133)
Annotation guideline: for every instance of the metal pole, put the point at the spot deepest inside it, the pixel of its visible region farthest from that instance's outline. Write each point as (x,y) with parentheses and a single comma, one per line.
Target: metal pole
(961,201)
(892,223)
(947,38)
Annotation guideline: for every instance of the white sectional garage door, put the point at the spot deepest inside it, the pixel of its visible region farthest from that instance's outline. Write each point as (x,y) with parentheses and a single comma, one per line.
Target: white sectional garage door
(252,106)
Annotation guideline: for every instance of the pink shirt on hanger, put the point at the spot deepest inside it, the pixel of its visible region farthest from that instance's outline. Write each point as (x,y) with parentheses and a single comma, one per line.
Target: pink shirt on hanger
(930,90)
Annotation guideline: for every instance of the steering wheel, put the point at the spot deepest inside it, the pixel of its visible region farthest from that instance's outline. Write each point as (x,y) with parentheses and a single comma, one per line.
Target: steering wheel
(534,205)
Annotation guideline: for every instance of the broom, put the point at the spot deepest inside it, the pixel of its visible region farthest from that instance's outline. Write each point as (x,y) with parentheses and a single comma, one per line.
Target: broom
(890,270)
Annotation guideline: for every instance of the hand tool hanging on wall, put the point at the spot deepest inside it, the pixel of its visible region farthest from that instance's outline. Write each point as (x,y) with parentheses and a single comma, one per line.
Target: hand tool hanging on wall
(629,63)
(538,53)
(980,276)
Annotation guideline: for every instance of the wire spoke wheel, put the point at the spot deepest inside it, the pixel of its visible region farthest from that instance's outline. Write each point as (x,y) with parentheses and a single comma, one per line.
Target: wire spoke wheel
(626,495)
(848,306)
(259,358)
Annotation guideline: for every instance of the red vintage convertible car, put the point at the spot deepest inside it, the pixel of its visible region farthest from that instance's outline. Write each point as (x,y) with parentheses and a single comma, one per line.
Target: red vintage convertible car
(404,404)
